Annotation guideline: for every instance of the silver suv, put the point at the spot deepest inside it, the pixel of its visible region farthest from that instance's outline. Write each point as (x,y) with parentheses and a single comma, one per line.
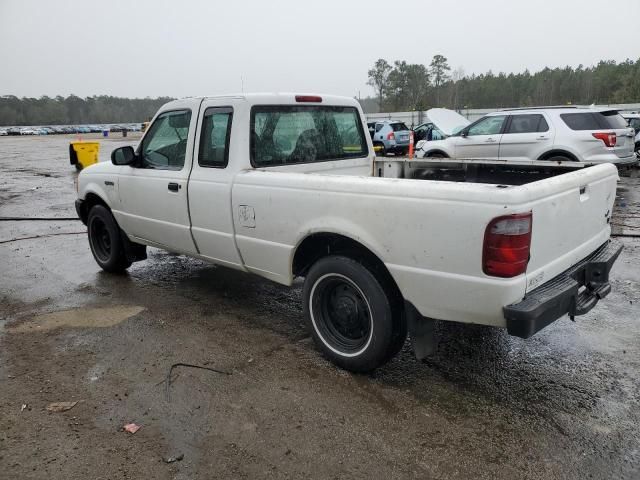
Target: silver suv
(389,136)
(586,134)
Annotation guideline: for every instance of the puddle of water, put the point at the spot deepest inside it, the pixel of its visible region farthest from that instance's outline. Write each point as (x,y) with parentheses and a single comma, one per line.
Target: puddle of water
(77,317)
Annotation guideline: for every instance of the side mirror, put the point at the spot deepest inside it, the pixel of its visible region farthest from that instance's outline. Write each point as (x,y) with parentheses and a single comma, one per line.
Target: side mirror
(123,156)
(463,133)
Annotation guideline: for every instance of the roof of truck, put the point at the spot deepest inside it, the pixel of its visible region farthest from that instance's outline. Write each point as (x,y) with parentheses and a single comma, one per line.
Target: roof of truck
(279,97)
(264,99)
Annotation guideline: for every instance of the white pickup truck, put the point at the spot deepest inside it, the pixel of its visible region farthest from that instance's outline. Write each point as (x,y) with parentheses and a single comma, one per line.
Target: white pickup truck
(286,186)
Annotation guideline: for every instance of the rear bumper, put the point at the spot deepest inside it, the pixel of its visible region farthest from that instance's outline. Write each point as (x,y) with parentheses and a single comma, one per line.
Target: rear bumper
(564,294)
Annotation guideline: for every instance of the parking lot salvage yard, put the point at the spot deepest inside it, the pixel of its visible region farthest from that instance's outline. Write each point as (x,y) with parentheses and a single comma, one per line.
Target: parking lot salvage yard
(562,404)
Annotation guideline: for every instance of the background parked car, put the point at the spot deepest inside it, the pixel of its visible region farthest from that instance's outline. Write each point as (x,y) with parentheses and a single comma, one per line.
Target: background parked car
(390,136)
(442,124)
(585,134)
(634,122)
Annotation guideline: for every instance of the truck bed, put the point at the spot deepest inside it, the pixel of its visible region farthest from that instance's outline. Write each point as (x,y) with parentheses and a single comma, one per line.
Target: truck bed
(493,172)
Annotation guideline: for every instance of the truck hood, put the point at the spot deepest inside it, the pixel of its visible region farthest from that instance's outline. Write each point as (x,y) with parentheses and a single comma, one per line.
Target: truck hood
(447,121)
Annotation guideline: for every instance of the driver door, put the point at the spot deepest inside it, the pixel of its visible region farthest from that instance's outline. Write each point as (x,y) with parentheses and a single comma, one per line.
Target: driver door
(482,139)
(153,193)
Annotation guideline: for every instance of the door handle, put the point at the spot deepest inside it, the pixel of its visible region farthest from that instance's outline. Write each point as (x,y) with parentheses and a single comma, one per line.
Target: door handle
(542,137)
(489,140)
(174,187)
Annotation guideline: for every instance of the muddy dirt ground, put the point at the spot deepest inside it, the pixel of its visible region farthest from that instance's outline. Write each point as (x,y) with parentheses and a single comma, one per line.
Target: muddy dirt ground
(563,404)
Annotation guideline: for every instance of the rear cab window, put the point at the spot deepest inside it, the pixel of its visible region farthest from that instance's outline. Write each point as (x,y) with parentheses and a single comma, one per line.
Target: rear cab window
(594,120)
(291,134)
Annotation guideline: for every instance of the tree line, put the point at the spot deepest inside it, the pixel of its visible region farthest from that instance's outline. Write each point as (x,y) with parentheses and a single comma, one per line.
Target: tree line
(73,110)
(399,87)
(406,87)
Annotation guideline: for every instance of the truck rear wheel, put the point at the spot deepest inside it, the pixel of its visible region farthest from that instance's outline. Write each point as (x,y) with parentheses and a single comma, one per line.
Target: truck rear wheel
(351,314)
(104,240)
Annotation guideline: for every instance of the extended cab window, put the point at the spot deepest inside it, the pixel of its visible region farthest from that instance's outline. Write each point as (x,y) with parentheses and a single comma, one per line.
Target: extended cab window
(527,124)
(487,126)
(165,145)
(305,134)
(214,137)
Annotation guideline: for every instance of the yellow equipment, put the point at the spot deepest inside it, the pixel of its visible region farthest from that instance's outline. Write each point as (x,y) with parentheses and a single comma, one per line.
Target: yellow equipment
(83,154)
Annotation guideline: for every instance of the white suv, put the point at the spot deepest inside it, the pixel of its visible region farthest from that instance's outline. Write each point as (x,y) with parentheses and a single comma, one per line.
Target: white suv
(590,135)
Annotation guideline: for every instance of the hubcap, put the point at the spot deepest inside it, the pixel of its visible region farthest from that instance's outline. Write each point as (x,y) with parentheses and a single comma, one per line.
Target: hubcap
(341,314)
(100,239)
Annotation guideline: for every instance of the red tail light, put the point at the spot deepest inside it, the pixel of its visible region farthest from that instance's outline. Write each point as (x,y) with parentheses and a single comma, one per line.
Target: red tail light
(308,99)
(609,138)
(391,136)
(507,241)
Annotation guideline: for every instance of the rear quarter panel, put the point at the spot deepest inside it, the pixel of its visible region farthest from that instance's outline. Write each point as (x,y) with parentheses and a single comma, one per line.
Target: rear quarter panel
(429,234)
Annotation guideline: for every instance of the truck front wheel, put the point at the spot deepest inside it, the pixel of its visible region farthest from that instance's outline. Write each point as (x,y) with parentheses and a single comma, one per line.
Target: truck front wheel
(104,240)
(351,315)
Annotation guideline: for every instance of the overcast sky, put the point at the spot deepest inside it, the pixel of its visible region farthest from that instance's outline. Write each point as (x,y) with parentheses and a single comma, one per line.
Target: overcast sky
(189,47)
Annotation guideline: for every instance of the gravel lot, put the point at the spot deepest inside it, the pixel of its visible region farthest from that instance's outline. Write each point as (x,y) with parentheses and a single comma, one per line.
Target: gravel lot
(563,404)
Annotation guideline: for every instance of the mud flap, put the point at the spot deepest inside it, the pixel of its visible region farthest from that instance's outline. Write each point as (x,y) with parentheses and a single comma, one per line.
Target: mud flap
(134,252)
(421,331)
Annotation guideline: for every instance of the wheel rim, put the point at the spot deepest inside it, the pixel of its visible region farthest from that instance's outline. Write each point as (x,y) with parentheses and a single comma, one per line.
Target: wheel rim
(100,239)
(341,315)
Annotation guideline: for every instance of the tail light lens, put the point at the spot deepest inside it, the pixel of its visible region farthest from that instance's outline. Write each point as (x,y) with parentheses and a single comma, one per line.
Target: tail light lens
(507,241)
(609,138)
(391,136)
(308,99)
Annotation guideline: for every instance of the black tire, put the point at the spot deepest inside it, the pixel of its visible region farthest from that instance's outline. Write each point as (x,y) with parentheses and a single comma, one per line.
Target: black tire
(105,241)
(436,155)
(383,151)
(637,149)
(351,311)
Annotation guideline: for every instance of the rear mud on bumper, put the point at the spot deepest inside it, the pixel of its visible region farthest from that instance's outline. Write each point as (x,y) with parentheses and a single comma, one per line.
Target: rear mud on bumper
(573,292)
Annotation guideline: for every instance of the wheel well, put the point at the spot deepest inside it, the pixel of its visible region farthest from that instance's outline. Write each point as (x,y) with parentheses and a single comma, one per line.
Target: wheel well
(319,245)
(90,201)
(431,153)
(554,153)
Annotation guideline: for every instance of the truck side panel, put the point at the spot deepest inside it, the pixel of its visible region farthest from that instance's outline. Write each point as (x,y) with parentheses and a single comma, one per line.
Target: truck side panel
(432,245)
(429,234)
